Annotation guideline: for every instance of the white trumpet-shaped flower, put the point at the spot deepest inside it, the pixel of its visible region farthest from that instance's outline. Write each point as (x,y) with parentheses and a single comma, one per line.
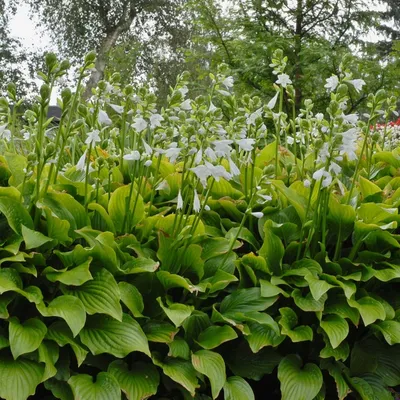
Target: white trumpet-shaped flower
(80,166)
(93,137)
(196,202)
(179,204)
(132,156)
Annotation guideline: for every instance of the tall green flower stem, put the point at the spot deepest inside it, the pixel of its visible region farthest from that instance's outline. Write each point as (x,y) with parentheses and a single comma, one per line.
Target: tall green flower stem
(278,131)
(89,152)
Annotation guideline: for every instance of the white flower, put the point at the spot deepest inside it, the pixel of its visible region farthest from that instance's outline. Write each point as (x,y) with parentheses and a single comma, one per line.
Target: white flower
(183,90)
(358,84)
(80,166)
(93,137)
(147,149)
(212,107)
(228,82)
(207,208)
(319,116)
(186,105)
(290,140)
(222,147)
(332,82)
(196,202)
(235,171)
(335,168)
(27,135)
(199,157)
(321,173)
(265,197)
(351,118)
(251,120)
(148,163)
(132,156)
(349,143)
(179,204)
(116,108)
(139,125)
(210,153)
(284,80)
(218,171)
(155,120)
(323,153)
(271,104)
(173,153)
(202,173)
(307,183)
(103,118)
(246,144)
(257,214)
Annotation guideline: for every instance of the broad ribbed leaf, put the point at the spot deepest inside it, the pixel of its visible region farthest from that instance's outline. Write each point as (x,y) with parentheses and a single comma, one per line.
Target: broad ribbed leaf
(236,388)
(160,331)
(244,301)
(32,238)
(68,308)
(216,335)
(25,337)
(262,335)
(61,334)
(176,312)
(270,290)
(48,354)
(339,306)
(75,277)
(272,250)
(340,353)
(390,331)
(369,308)
(105,387)
(180,371)
(211,365)
(317,287)
(103,334)
(15,213)
(132,298)
(243,362)
(335,372)
(308,303)
(297,382)
(18,379)
(118,208)
(100,295)
(289,321)
(139,382)
(179,348)
(60,389)
(336,328)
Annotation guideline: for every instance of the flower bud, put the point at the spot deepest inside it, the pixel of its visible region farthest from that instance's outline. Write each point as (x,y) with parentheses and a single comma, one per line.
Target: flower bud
(64,65)
(51,60)
(90,57)
(45,91)
(49,150)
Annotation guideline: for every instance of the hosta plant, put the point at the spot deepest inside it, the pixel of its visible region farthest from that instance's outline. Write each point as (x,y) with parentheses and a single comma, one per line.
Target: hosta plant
(219,248)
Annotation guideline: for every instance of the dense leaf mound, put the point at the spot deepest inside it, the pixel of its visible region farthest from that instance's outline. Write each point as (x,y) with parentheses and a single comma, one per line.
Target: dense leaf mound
(215,249)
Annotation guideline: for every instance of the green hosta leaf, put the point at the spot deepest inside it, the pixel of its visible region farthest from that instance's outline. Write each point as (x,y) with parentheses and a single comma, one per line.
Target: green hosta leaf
(106,387)
(211,365)
(379,389)
(335,372)
(170,281)
(100,215)
(100,295)
(272,250)
(5,300)
(16,163)
(221,280)
(288,323)
(339,306)
(74,277)
(308,303)
(336,328)
(368,188)
(102,334)
(390,331)
(214,336)
(18,379)
(25,337)
(369,308)
(236,388)
(243,362)
(254,262)
(68,308)
(317,287)
(179,371)
(179,348)
(33,239)
(176,312)
(195,325)
(60,389)
(297,382)
(262,335)
(118,207)
(244,301)
(138,383)
(15,213)
(341,352)
(61,334)
(57,229)
(132,298)
(160,331)
(139,265)
(48,354)
(270,290)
